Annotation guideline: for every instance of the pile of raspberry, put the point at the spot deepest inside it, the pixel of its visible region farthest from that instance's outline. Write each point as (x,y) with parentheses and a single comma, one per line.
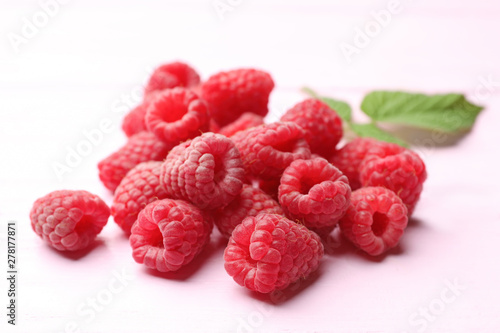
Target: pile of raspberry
(199,153)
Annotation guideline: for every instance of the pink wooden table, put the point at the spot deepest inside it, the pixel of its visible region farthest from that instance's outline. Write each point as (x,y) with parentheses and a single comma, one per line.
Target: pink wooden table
(84,64)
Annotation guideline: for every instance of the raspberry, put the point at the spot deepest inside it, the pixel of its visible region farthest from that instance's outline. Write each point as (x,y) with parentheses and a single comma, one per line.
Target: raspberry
(140,187)
(322,126)
(381,149)
(269,252)
(323,232)
(175,159)
(176,115)
(251,202)
(213,127)
(169,76)
(232,93)
(69,220)
(168,234)
(267,150)
(270,187)
(141,147)
(349,158)
(246,120)
(207,171)
(133,122)
(314,192)
(396,168)
(375,220)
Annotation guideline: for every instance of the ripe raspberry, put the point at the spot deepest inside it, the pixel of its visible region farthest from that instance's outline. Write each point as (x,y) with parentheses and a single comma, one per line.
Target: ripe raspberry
(133,122)
(250,202)
(396,168)
(246,120)
(172,75)
(349,158)
(141,147)
(207,171)
(176,115)
(138,188)
(269,252)
(168,234)
(69,220)
(175,159)
(230,94)
(375,220)
(324,232)
(314,192)
(381,149)
(267,150)
(322,126)
(213,127)
(270,187)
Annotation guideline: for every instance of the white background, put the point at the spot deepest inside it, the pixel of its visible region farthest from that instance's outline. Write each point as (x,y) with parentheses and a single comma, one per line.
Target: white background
(86,63)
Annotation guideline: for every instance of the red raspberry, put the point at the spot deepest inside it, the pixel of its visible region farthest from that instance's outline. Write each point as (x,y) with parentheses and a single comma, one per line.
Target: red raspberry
(267,150)
(349,158)
(168,234)
(270,187)
(213,127)
(396,168)
(176,115)
(133,122)
(69,220)
(141,147)
(322,125)
(172,75)
(381,149)
(314,192)
(313,156)
(140,187)
(324,232)
(230,94)
(250,202)
(246,120)
(206,171)
(269,252)
(375,220)
(175,159)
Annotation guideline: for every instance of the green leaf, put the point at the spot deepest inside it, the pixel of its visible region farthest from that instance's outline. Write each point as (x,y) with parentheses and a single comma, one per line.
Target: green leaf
(371,130)
(342,108)
(443,112)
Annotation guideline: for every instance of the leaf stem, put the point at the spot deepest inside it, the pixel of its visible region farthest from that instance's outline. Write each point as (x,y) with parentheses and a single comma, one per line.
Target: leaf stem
(310,92)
